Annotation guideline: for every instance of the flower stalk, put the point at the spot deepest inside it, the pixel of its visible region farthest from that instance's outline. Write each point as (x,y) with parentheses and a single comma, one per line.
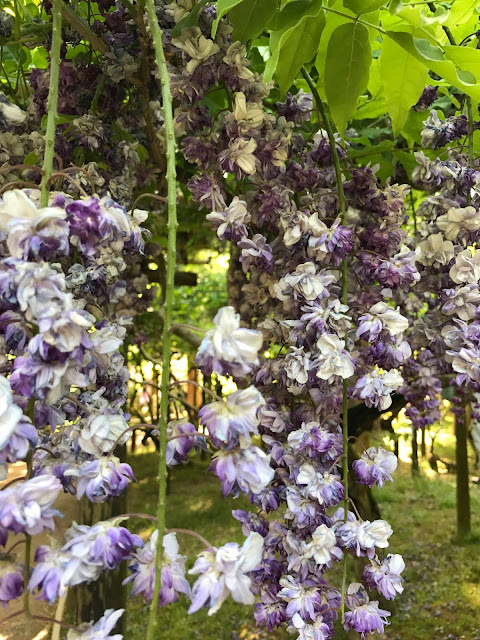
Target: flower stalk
(172,224)
(343,210)
(52,100)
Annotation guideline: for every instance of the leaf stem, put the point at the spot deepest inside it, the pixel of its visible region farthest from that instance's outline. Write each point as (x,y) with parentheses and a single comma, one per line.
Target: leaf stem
(52,100)
(172,224)
(355,19)
(343,211)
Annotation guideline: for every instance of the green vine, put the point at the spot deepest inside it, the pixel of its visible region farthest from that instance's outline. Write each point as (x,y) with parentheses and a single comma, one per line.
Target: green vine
(343,210)
(172,224)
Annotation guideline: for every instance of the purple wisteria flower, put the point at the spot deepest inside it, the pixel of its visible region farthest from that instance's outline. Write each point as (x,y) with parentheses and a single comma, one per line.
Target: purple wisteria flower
(102,432)
(375,467)
(256,252)
(230,224)
(304,598)
(172,572)
(246,470)
(27,507)
(323,486)
(99,630)
(181,440)
(102,478)
(376,387)
(87,552)
(323,546)
(104,544)
(364,616)
(316,630)
(11,580)
(10,413)
(223,572)
(229,348)
(385,576)
(363,536)
(233,421)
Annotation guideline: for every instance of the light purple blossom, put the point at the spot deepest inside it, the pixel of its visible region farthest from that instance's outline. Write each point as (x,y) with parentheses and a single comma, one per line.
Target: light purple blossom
(232,422)
(375,466)
(102,431)
(363,536)
(246,470)
(375,388)
(364,617)
(11,581)
(223,572)
(385,576)
(172,573)
(229,348)
(181,440)
(28,506)
(102,478)
(99,630)
(324,486)
(304,599)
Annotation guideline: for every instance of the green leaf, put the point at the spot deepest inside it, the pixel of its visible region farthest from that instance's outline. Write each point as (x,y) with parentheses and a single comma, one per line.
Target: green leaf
(371,109)
(395,6)
(466,58)
(376,149)
(404,78)
(223,6)
(333,21)
(418,16)
(346,70)
(32,158)
(434,60)
(461,11)
(190,20)
(297,46)
(250,17)
(363,6)
(271,64)
(292,13)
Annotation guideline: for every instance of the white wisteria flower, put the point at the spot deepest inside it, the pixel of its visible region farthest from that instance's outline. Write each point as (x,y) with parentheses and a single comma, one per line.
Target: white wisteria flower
(10,413)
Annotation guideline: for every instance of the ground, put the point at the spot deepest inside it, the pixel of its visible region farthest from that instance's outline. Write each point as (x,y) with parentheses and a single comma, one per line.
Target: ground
(441,600)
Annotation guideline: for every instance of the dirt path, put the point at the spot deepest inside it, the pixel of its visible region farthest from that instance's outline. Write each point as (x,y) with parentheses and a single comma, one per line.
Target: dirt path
(15,629)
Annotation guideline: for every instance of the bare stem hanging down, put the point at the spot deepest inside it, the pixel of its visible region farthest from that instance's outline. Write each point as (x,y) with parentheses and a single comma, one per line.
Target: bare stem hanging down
(172,224)
(52,100)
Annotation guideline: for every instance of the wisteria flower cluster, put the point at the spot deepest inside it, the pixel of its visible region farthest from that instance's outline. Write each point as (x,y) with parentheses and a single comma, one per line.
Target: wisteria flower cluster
(307,338)
(63,381)
(446,256)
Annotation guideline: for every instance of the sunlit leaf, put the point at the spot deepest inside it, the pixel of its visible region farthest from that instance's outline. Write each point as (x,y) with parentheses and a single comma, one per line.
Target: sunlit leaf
(346,70)
(404,78)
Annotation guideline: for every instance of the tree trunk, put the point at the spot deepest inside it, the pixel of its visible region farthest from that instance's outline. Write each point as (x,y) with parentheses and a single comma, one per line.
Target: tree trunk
(424,443)
(415,468)
(463,490)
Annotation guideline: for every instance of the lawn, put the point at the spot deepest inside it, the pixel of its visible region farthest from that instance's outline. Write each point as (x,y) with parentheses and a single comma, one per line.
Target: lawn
(441,600)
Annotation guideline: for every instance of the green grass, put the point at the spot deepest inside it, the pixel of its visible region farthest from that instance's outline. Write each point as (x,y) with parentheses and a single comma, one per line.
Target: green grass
(441,600)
